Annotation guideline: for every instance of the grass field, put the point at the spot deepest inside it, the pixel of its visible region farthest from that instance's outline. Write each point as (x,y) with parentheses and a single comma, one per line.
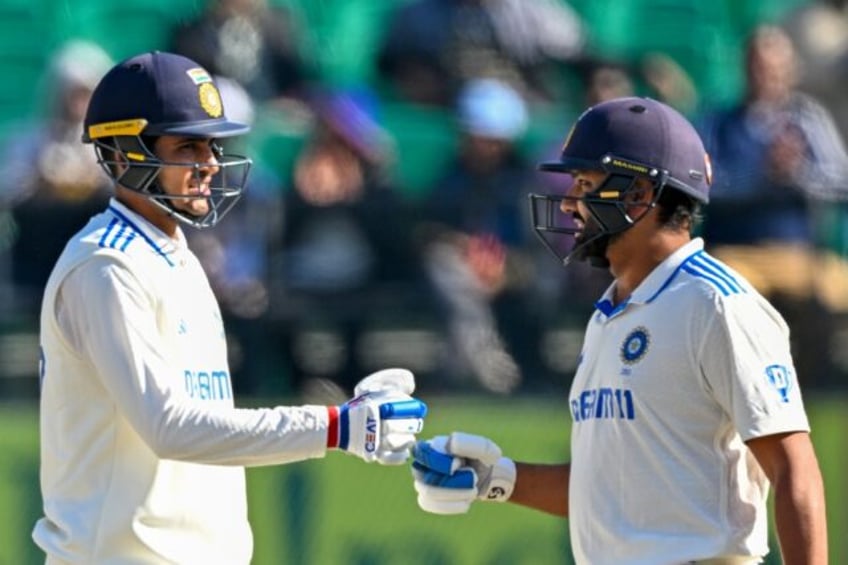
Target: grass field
(339,510)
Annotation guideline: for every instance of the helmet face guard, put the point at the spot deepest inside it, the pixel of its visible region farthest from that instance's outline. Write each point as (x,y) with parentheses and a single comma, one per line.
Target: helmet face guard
(571,237)
(132,165)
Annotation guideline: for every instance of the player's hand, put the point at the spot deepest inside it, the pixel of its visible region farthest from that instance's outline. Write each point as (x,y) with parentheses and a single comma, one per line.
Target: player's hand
(380,422)
(453,471)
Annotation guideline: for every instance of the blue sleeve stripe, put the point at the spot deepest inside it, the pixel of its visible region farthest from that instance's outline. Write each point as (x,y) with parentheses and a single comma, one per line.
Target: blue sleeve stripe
(128,240)
(721,269)
(113,243)
(107,231)
(712,280)
(138,232)
(706,268)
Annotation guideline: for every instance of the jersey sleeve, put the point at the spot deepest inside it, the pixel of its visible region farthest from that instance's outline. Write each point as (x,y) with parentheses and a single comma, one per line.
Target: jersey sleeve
(746,362)
(108,316)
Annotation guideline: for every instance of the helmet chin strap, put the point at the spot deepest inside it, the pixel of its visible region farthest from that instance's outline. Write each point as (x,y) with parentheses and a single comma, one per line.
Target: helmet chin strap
(155,189)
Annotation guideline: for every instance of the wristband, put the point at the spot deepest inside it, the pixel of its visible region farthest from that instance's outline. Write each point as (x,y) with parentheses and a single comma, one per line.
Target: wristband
(332,427)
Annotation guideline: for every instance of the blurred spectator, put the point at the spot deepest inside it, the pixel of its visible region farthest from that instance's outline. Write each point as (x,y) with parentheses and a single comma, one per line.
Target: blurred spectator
(255,44)
(779,161)
(476,241)
(657,74)
(345,256)
(819,31)
(51,182)
(669,82)
(605,81)
(432,47)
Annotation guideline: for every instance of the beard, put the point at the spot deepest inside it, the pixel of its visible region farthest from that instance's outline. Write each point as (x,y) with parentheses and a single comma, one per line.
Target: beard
(591,244)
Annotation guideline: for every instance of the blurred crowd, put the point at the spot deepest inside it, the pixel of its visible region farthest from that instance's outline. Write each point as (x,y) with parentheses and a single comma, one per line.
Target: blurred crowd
(386,220)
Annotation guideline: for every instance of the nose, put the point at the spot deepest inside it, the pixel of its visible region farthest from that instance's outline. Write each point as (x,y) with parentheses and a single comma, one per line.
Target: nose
(567,205)
(209,160)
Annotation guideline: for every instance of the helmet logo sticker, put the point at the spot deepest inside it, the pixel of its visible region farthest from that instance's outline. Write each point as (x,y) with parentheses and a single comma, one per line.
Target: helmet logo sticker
(120,127)
(635,345)
(210,100)
(708,167)
(779,377)
(198,75)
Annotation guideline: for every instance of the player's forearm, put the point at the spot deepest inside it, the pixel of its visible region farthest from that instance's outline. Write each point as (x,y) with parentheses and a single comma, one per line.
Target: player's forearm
(242,437)
(542,487)
(800,519)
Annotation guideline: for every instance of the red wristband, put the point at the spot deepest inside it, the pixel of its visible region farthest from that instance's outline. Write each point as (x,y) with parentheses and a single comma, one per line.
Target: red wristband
(332,427)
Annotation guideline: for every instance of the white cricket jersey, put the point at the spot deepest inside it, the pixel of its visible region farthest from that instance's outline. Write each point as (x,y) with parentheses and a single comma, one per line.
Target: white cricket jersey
(669,385)
(142,450)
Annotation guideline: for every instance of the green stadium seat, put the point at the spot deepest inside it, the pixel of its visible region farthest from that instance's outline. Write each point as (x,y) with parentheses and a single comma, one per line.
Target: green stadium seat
(746,14)
(128,27)
(699,35)
(26,41)
(342,35)
(425,141)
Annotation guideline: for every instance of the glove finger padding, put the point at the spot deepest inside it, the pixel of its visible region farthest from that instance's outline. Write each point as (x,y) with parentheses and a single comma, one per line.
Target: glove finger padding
(473,447)
(401,417)
(392,457)
(400,434)
(388,380)
(439,493)
(431,455)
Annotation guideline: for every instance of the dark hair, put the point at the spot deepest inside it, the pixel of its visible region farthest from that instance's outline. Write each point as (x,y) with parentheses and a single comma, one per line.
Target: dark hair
(677,210)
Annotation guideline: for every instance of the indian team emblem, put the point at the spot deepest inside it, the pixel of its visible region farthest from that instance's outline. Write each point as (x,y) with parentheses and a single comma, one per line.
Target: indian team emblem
(210,100)
(780,378)
(635,345)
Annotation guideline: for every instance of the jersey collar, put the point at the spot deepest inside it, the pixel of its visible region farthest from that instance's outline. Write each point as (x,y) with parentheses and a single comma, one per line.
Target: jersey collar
(653,285)
(154,236)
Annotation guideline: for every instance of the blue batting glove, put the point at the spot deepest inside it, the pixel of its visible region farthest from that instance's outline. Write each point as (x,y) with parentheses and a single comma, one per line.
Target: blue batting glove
(451,472)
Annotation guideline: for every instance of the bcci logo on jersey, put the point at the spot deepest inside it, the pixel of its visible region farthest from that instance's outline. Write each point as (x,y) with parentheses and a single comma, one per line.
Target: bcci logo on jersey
(635,345)
(780,377)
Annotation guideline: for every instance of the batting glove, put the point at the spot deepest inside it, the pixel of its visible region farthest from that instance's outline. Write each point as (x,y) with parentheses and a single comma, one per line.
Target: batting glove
(380,422)
(453,471)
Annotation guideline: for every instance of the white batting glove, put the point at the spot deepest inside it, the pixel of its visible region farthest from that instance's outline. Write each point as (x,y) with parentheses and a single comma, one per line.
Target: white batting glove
(453,471)
(380,422)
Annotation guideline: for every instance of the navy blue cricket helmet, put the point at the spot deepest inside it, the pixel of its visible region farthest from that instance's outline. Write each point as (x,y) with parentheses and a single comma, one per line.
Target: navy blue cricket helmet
(627,138)
(156,94)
